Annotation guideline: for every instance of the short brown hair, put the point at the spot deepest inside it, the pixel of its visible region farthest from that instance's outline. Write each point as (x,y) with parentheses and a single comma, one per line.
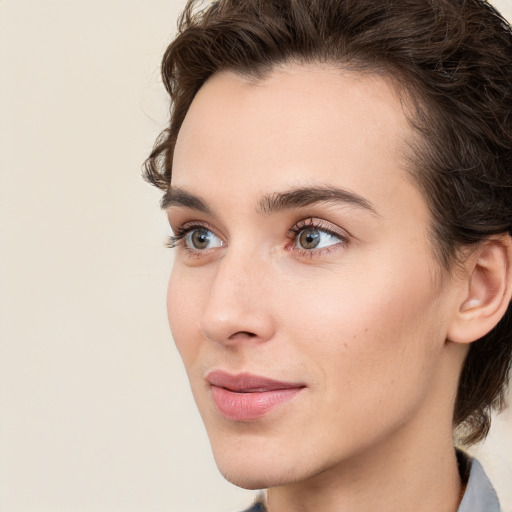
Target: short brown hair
(452,57)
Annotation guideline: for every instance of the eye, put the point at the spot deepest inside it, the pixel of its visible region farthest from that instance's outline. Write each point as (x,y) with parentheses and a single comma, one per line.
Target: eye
(200,239)
(195,238)
(315,238)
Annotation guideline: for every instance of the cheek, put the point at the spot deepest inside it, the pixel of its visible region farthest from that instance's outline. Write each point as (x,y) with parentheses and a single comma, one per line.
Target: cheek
(368,334)
(182,308)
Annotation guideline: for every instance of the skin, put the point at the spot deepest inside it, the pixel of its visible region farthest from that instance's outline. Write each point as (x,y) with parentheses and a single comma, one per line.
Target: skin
(363,321)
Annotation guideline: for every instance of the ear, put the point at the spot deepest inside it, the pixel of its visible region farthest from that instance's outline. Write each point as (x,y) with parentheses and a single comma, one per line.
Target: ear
(486,290)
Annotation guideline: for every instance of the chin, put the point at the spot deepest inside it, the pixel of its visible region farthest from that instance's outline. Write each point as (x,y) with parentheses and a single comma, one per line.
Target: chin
(246,476)
(254,468)
(246,479)
(245,467)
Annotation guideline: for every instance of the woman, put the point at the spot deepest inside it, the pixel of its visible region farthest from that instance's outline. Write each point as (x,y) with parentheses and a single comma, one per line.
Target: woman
(337,178)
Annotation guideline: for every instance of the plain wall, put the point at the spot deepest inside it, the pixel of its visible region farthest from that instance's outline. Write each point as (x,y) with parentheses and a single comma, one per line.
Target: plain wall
(95,410)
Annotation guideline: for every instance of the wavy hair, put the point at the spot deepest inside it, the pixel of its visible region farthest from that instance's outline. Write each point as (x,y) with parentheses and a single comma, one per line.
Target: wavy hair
(451,58)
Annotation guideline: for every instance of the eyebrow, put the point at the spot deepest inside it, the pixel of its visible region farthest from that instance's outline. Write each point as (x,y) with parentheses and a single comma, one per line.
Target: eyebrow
(308,196)
(180,197)
(275,202)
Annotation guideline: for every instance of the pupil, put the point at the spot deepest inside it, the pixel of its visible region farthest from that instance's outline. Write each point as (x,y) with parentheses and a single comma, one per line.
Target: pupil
(200,239)
(309,238)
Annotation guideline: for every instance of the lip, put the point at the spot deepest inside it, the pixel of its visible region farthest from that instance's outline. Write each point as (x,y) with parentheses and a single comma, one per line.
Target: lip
(247,397)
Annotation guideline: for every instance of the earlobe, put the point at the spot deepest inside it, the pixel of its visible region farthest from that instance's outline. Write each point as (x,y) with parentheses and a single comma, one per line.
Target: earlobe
(487,290)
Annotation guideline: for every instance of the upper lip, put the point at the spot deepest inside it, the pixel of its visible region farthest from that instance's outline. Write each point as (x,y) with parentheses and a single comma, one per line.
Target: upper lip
(247,382)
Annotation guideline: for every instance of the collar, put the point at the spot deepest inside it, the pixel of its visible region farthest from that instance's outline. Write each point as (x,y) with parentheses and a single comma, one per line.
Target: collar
(480,495)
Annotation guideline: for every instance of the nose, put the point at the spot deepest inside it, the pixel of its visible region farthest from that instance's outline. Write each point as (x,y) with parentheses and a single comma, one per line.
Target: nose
(238,306)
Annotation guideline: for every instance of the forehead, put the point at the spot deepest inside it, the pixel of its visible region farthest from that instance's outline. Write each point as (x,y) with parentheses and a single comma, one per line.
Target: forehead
(300,125)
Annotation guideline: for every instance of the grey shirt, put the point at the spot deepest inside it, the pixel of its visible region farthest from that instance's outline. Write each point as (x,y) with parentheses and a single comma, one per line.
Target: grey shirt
(479,496)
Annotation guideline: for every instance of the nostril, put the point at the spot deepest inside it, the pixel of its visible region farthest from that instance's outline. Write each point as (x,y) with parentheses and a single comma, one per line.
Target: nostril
(236,326)
(244,334)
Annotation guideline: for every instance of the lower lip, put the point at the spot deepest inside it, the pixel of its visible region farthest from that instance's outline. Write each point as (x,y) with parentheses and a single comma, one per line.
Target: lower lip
(250,406)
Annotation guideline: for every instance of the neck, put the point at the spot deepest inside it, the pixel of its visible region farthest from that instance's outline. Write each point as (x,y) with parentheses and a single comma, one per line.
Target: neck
(422,480)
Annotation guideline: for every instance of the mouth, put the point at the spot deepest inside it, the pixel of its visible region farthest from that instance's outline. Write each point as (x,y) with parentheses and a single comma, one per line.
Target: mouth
(247,397)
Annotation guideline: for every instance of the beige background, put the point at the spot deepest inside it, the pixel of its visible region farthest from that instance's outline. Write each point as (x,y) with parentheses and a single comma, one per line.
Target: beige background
(95,411)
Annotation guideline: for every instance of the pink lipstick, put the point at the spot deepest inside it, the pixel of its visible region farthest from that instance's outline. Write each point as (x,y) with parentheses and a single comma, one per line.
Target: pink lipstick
(246,397)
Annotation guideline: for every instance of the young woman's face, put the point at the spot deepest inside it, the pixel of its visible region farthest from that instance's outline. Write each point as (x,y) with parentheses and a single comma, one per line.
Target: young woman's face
(305,299)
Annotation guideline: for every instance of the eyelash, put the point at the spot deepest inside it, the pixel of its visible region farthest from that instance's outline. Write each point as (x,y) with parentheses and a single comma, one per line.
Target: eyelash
(181,232)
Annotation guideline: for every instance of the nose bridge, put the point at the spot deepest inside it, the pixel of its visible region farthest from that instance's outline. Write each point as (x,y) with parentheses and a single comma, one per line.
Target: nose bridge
(237,302)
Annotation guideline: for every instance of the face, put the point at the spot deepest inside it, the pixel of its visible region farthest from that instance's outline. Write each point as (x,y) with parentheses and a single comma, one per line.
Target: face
(305,299)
